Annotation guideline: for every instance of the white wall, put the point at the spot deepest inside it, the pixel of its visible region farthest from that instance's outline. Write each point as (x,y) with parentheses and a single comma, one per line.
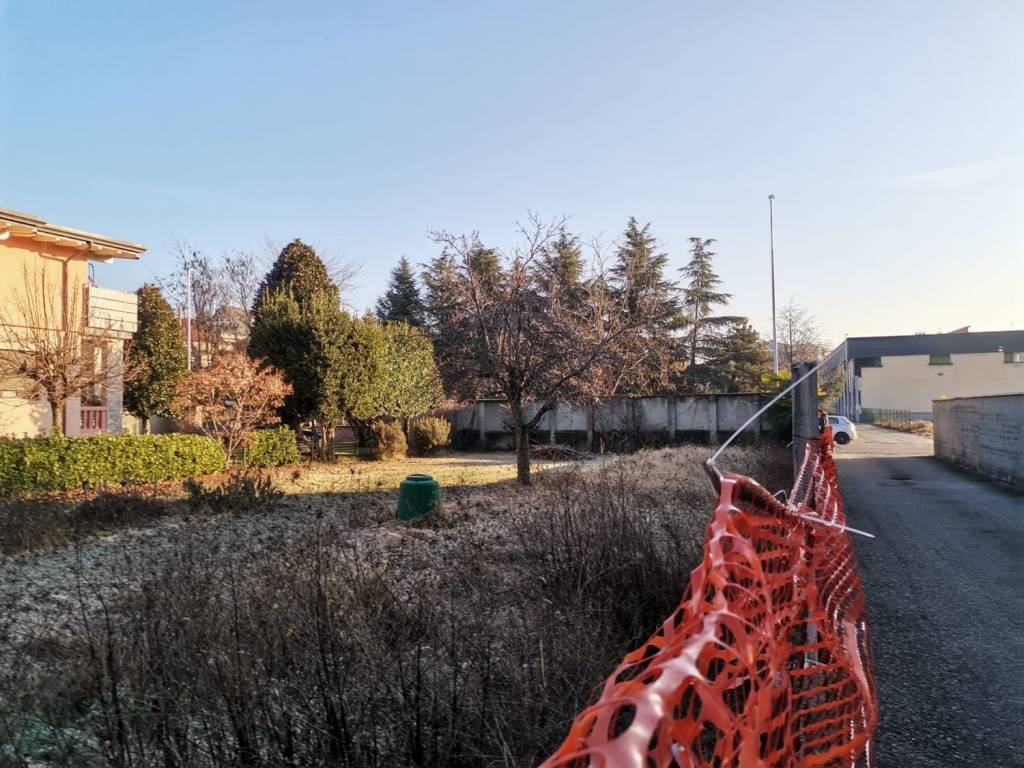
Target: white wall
(910,383)
(24,418)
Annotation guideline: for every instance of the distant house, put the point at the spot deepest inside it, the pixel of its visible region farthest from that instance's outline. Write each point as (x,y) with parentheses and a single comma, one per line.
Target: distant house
(47,266)
(909,372)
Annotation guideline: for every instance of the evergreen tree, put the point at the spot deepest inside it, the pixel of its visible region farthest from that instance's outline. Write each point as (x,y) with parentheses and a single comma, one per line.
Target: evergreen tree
(650,303)
(391,372)
(736,362)
(299,271)
(156,358)
(561,269)
(299,327)
(485,264)
(443,282)
(402,302)
(700,296)
(639,272)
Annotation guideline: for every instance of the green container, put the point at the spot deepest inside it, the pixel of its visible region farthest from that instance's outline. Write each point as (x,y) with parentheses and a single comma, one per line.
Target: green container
(418,495)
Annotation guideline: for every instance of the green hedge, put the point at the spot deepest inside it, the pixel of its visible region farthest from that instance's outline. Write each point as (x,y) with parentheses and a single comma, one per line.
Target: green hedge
(63,463)
(271,448)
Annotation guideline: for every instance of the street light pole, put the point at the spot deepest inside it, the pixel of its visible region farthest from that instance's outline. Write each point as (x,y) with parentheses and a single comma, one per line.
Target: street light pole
(188,314)
(771,246)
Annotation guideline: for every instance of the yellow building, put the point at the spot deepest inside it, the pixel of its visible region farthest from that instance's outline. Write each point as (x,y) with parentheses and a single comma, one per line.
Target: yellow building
(908,373)
(49,306)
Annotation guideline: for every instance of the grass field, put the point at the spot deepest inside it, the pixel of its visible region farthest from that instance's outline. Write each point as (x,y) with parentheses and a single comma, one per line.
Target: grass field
(321,632)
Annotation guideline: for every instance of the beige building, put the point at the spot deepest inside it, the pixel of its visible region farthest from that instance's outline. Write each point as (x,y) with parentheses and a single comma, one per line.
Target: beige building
(910,372)
(47,299)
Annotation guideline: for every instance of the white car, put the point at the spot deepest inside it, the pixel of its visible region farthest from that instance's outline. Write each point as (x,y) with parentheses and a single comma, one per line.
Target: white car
(843,430)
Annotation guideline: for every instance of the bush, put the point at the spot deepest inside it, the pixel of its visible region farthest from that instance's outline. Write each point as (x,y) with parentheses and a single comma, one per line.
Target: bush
(64,463)
(240,494)
(430,434)
(272,448)
(389,441)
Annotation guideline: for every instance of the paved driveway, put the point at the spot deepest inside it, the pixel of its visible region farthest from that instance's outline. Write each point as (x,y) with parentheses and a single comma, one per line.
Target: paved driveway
(945,598)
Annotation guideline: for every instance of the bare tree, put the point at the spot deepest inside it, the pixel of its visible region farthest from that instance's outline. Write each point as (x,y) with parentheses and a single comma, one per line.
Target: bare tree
(209,297)
(44,342)
(799,337)
(243,271)
(505,335)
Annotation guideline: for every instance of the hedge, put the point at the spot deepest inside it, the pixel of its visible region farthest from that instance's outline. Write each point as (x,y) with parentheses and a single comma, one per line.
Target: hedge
(271,448)
(64,463)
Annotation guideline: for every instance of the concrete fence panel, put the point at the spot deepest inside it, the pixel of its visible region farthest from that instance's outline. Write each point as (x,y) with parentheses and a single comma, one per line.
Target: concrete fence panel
(985,434)
(657,418)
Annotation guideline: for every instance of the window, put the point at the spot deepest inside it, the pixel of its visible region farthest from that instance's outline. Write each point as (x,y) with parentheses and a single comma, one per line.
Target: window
(940,359)
(1013,357)
(870,362)
(834,420)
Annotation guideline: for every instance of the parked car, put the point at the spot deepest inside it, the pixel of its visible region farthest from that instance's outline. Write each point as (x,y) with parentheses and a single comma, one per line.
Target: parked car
(843,430)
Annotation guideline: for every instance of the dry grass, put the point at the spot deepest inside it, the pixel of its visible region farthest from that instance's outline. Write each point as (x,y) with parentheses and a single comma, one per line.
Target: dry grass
(923,428)
(355,475)
(49,521)
(323,632)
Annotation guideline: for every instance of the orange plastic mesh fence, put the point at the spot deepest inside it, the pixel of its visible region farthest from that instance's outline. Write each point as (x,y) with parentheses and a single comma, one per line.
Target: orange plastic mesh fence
(766,662)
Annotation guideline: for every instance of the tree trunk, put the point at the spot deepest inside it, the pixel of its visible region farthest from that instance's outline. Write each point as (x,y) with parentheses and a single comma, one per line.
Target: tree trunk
(144,425)
(522,452)
(57,416)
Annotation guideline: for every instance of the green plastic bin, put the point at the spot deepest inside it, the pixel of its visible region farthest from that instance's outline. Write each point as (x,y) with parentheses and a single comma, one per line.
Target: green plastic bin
(417,495)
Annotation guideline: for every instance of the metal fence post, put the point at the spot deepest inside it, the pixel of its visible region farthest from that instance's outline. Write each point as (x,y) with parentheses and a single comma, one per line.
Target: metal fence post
(805,413)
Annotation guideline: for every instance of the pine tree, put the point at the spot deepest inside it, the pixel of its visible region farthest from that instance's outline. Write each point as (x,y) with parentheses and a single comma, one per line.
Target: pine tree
(561,269)
(639,272)
(485,264)
(650,303)
(700,296)
(736,361)
(156,358)
(402,302)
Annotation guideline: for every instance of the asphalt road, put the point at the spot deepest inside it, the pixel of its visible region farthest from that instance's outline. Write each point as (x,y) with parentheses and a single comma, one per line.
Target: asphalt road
(945,594)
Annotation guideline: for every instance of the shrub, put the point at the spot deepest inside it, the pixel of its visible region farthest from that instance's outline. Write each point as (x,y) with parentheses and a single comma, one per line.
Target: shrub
(272,448)
(389,440)
(64,463)
(240,494)
(430,434)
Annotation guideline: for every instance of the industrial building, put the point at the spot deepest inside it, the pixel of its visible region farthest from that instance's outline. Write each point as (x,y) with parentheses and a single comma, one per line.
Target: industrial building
(909,372)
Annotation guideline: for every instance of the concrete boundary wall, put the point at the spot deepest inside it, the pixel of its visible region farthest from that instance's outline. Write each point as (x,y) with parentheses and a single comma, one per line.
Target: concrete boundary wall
(983,433)
(665,418)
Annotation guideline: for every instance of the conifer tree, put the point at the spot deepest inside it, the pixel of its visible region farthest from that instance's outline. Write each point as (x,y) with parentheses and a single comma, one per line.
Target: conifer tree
(561,268)
(156,357)
(700,296)
(639,273)
(651,306)
(298,327)
(736,361)
(402,302)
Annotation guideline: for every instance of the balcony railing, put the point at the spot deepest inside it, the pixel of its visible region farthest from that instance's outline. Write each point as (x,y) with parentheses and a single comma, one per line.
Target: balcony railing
(93,419)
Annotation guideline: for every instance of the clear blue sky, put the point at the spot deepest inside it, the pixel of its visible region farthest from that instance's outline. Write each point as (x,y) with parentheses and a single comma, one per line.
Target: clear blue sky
(890,133)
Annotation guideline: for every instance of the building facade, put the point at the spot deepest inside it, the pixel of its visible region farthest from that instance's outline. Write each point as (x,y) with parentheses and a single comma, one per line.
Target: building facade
(49,307)
(909,372)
